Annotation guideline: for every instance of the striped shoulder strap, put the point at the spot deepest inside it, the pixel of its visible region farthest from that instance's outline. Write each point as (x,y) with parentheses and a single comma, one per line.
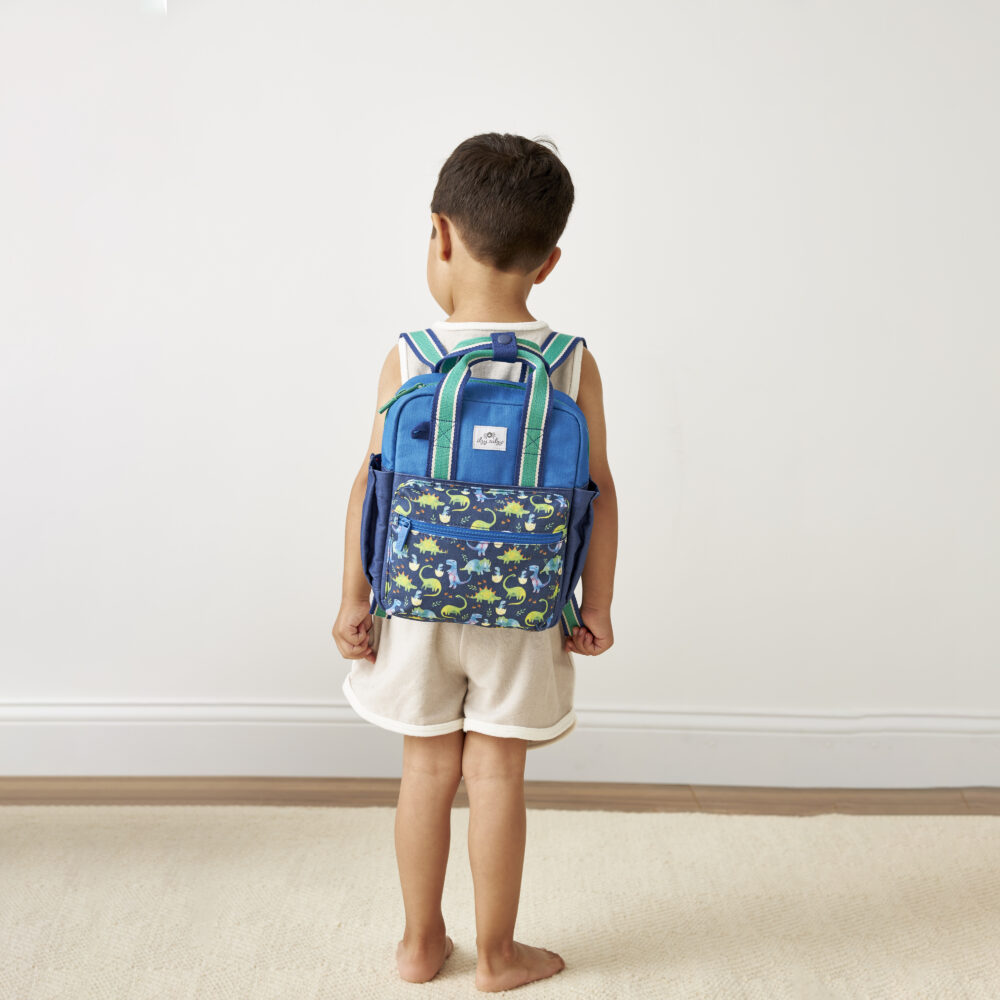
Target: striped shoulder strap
(426,345)
(557,347)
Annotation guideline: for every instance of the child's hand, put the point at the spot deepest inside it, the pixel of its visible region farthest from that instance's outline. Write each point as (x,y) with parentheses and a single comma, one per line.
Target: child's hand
(351,631)
(594,635)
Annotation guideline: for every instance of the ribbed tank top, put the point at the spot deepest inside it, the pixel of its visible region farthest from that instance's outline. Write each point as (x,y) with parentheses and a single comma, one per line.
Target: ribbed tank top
(566,378)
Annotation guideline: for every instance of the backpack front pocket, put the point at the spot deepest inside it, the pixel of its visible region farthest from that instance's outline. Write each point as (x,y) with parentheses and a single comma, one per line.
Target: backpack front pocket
(477,555)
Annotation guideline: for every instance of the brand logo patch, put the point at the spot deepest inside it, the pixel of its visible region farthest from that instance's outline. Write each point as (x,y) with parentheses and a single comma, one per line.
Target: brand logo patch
(489,438)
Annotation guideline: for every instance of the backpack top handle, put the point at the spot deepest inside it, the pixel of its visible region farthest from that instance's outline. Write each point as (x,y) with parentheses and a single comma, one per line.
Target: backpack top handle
(503,345)
(446,412)
(427,346)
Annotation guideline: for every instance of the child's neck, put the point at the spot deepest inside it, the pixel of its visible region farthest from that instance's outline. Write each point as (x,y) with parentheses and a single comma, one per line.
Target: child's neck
(472,314)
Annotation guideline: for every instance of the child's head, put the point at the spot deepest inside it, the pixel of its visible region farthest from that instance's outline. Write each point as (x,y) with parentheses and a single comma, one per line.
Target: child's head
(500,205)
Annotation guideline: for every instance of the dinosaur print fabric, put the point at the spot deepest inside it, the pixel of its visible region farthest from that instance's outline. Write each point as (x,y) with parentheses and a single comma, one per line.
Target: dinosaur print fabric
(477,555)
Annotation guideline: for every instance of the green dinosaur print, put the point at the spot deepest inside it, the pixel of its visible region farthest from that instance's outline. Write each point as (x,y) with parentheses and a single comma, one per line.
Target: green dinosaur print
(429,547)
(459,500)
(402,580)
(512,555)
(485,525)
(546,507)
(486,594)
(451,610)
(514,508)
(405,511)
(431,584)
(536,617)
(517,595)
(429,500)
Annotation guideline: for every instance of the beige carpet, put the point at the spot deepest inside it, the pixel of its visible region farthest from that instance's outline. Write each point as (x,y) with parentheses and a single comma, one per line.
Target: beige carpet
(299,903)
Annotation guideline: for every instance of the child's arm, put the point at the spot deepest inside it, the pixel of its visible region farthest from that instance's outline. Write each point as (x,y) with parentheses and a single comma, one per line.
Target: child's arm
(354,621)
(595,635)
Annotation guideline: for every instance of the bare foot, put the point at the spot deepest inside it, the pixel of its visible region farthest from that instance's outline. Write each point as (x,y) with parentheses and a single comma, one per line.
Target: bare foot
(524,965)
(417,965)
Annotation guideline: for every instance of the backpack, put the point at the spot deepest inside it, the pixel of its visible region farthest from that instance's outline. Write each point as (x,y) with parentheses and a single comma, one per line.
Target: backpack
(479,508)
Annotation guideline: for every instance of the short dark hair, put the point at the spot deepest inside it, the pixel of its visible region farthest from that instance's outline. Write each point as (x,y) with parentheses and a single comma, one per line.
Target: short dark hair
(509,196)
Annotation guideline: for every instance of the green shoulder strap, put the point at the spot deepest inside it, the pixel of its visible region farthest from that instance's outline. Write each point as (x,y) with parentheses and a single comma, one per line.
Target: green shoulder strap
(426,345)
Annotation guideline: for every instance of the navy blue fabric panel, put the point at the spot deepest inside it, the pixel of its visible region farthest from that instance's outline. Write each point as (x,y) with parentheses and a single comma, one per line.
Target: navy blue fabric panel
(374,521)
(369,515)
(581,520)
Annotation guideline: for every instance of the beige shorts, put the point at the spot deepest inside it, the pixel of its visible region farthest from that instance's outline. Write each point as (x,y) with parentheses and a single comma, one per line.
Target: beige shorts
(430,678)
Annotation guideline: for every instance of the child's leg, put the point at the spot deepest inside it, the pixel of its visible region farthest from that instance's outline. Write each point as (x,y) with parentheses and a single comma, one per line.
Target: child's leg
(432,768)
(493,768)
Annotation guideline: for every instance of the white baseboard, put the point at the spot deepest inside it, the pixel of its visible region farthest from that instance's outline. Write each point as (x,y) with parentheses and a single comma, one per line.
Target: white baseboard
(898,750)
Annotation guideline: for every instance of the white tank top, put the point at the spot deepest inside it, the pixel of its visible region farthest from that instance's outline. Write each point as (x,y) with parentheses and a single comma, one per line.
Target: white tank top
(566,378)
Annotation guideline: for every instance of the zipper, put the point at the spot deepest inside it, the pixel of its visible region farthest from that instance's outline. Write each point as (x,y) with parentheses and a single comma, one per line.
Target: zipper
(420,385)
(404,524)
(400,392)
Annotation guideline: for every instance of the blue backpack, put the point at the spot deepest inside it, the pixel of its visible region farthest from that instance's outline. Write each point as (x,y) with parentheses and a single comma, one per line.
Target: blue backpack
(480,506)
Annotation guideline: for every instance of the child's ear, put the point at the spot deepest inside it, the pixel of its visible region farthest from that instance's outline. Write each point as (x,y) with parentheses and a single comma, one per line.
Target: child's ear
(550,263)
(442,233)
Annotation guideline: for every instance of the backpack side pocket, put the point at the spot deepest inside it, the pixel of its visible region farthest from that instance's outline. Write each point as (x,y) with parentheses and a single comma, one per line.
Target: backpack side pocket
(375,521)
(581,521)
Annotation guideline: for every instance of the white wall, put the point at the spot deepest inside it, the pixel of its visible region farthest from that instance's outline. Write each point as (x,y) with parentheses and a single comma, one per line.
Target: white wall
(784,256)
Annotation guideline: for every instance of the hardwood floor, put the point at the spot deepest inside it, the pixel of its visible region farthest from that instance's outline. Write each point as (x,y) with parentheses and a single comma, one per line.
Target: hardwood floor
(623,797)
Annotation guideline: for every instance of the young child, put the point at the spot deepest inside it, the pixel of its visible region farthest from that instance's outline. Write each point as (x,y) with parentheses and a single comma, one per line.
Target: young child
(470,701)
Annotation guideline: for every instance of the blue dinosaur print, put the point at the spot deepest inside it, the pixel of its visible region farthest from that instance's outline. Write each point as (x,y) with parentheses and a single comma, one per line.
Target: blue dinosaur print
(554,565)
(536,582)
(477,566)
(453,577)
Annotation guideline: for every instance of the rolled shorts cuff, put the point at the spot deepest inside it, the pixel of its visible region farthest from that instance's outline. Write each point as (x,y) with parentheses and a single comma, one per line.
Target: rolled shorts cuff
(531,733)
(535,735)
(407,728)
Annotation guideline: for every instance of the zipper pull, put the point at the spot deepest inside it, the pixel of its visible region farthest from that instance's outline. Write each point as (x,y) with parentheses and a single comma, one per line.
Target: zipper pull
(401,391)
(402,530)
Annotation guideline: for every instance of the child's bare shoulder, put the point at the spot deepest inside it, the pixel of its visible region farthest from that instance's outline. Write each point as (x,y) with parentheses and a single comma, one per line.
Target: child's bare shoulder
(590,399)
(389,380)
(591,390)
